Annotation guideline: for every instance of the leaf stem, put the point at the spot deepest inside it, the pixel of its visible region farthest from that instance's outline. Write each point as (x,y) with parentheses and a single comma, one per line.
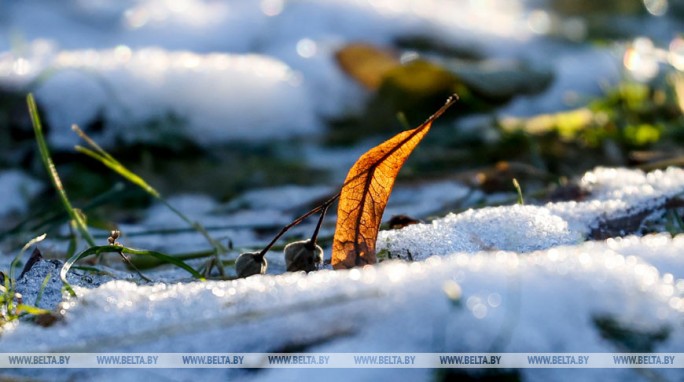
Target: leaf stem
(314,237)
(322,207)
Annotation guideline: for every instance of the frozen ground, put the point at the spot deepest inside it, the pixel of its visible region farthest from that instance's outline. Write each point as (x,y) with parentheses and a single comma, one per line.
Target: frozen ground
(504,279)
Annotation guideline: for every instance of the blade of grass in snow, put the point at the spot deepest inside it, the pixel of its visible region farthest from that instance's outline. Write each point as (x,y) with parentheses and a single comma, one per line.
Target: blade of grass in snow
(73,245)
(7,296)
(521,201)
(94,270)
(146,262)
(31,310)
(117,167)
(15,261)
(96,250)
(42,288)
(109,161)
(52,171)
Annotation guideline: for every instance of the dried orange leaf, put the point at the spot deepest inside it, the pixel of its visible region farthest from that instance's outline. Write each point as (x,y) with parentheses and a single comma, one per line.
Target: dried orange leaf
(365,193)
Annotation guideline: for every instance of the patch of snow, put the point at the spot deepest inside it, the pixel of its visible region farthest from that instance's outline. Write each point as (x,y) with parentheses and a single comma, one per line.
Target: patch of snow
(545,301)
(214,97)
(614,193)
(572,83)
(16,189)
(30,285)
(619,192)
(180,237)
(281,198)
(424,199)
(231,70)
(525,285)
(192,206)
(516,228)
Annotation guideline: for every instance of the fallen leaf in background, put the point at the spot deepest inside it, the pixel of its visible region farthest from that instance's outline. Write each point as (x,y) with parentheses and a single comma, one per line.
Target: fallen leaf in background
(366,63)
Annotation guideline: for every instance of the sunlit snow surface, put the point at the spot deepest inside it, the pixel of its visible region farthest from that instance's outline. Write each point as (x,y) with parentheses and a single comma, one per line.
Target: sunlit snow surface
(615,194)
(505,279)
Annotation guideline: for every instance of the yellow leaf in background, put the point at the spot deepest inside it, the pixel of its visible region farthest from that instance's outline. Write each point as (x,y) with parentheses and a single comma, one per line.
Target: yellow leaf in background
(366,63)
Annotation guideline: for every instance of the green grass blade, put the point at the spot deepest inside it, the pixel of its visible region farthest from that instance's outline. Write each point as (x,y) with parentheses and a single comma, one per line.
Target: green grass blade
(73,241)
(43,285)
(52,171)
(117,167)
(96,250)
(31,310)
(100,155)
(92,143)
(147,262)
(521,200)
(15,261)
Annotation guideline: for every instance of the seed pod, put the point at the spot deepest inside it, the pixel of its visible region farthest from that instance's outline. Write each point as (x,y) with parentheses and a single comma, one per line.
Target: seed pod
(250,263)
(303,256)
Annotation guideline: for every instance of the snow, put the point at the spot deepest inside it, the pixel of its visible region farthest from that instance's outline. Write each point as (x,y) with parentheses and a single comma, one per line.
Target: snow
(284,197)
(16,190)
(505,279)
(373,304)
(132,88)
(622,193)
(509,279)
(516,228)
(216,72)
(425,199)
(614,193)
(570,75)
